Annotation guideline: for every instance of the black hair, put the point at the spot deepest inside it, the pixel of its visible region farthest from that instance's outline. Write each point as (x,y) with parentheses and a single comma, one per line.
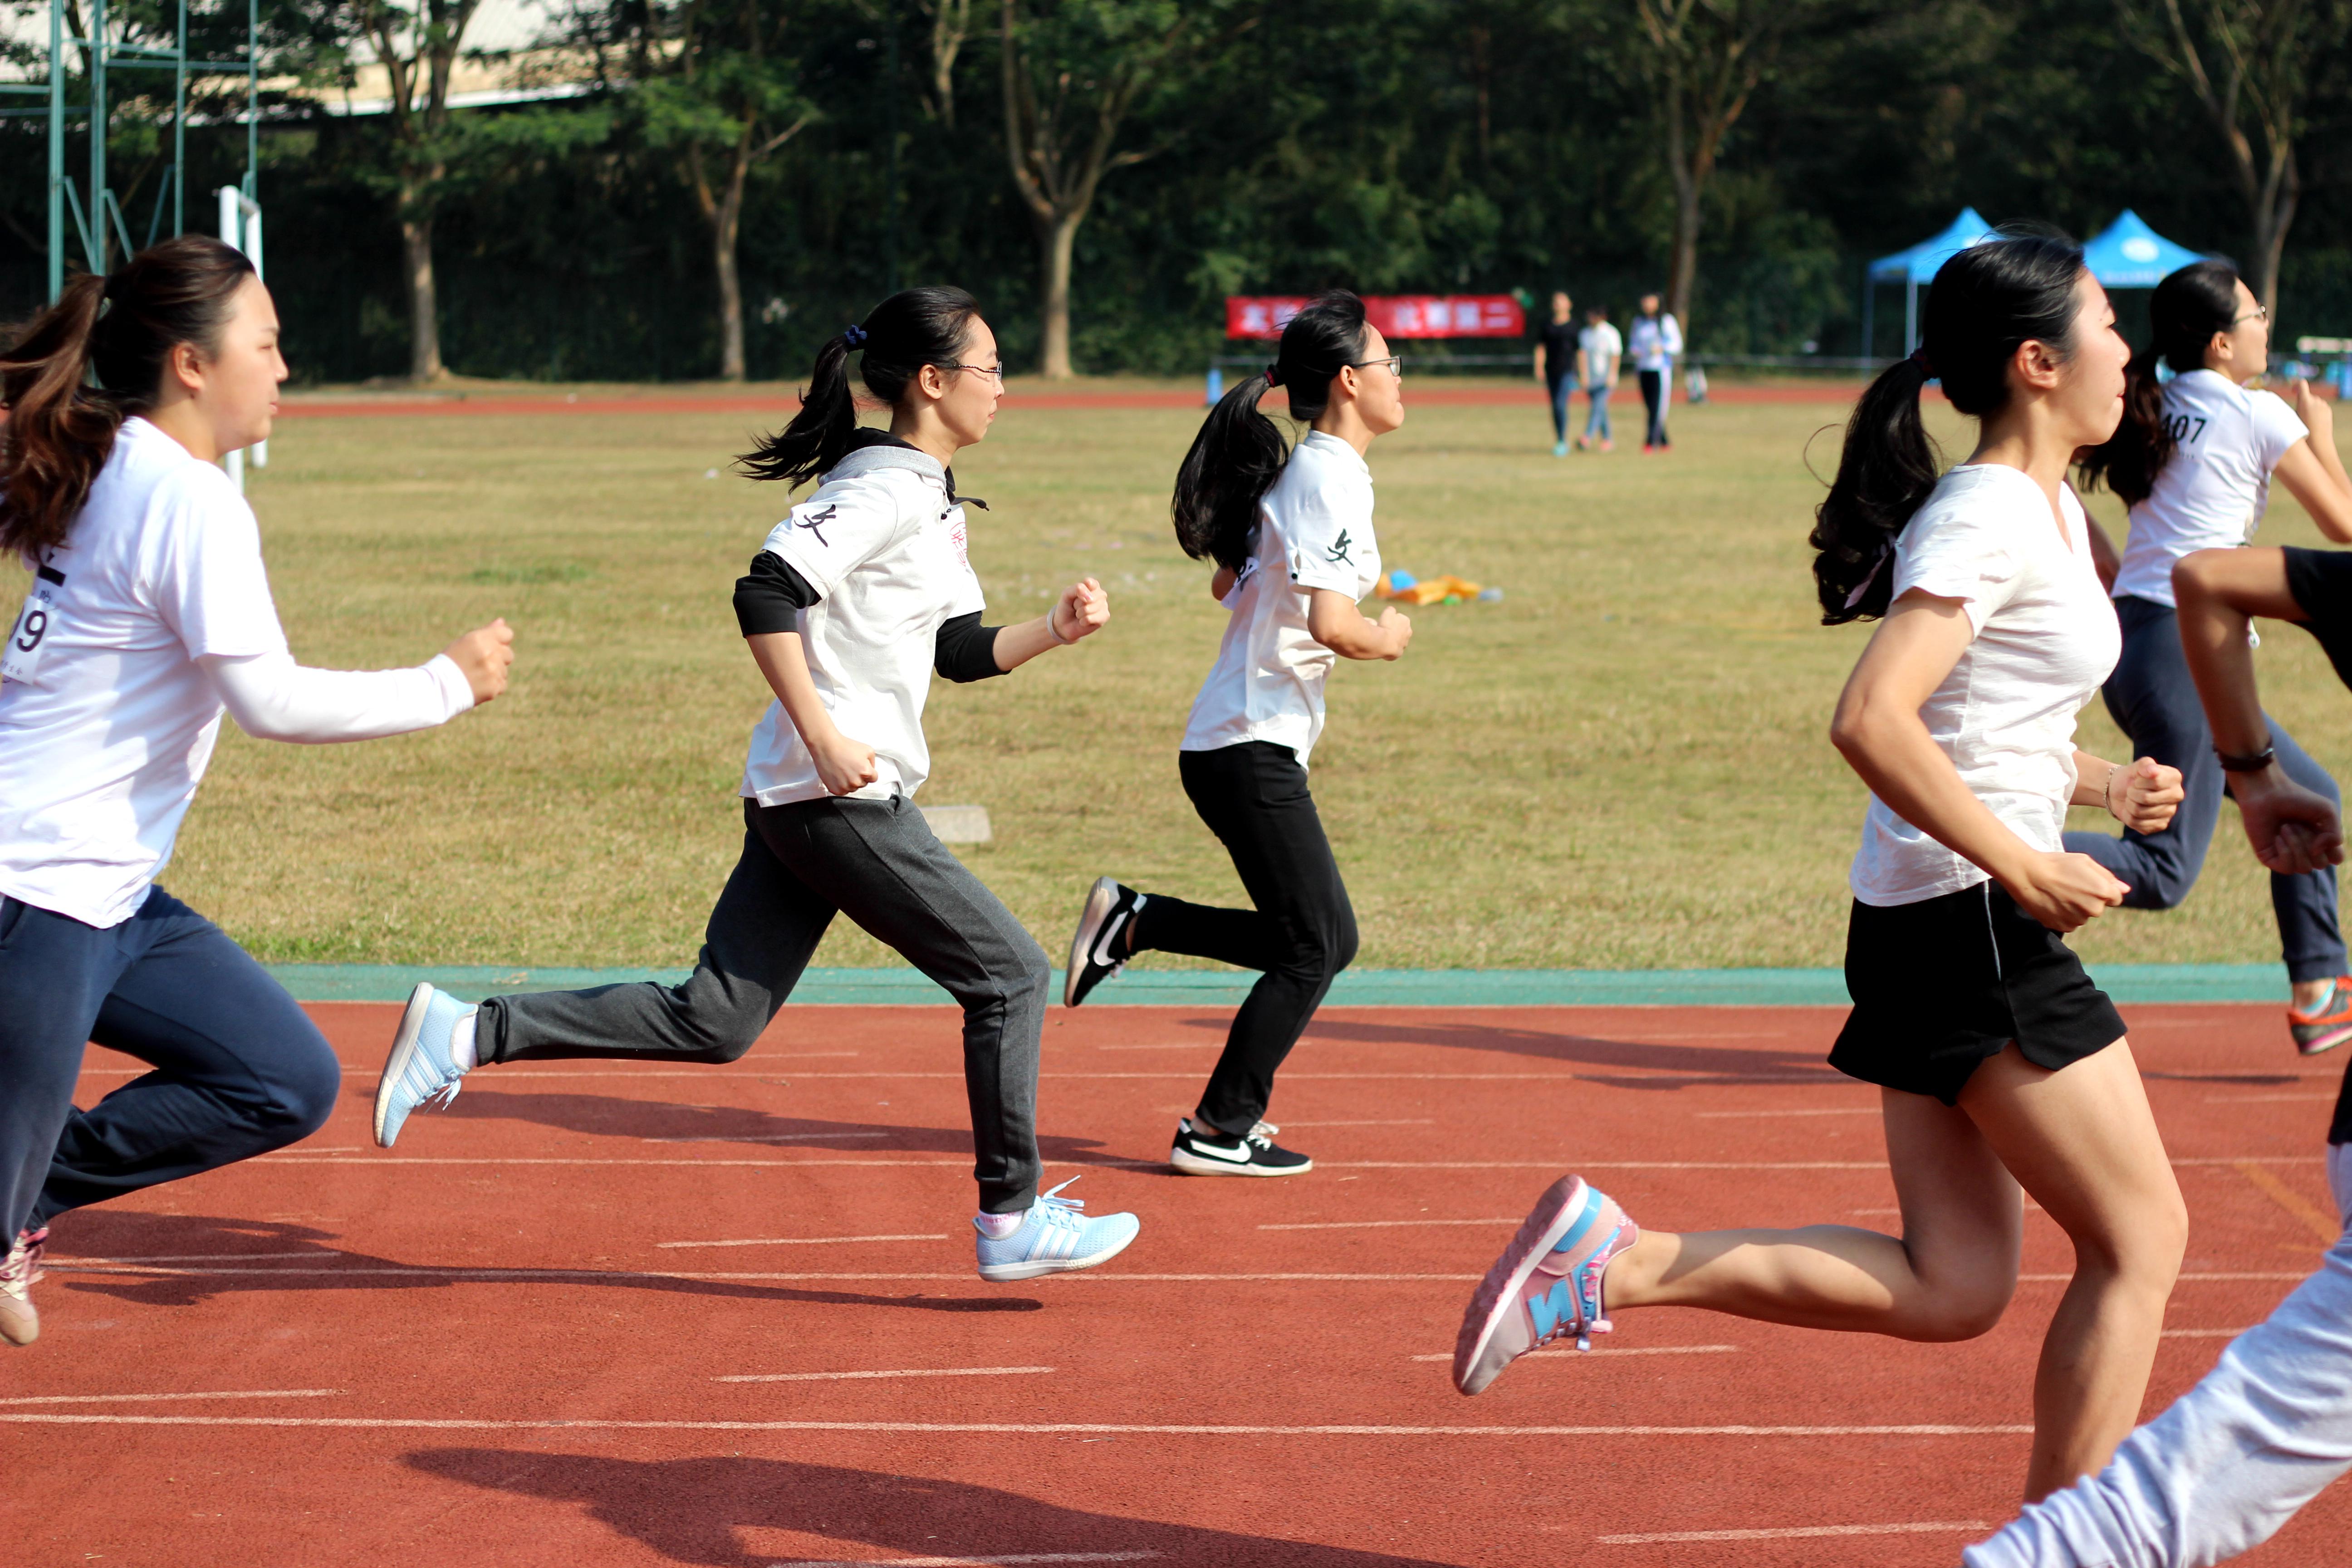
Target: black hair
(1986,302)
(91,360)
(911,329)
(2188,308)
(1239,453)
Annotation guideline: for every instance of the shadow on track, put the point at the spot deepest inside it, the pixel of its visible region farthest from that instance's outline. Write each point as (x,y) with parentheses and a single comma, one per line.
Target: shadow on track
(201,1241)
(666,1121)
(690,1511)
(1705,1065)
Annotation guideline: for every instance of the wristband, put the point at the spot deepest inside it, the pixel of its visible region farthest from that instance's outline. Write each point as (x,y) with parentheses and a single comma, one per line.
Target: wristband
(2249,765)
(1053,630)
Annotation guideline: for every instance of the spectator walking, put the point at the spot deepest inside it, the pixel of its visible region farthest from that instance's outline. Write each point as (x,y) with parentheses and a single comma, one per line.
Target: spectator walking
(1598,350)
(1657,343)
(1556,365)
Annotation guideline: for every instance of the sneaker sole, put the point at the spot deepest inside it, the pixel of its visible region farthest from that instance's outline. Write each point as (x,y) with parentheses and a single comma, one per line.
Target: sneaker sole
(1100,900)
(2326,1042)
(1554,1215)
(1037,1269)
(1195,1165)
(404,1051)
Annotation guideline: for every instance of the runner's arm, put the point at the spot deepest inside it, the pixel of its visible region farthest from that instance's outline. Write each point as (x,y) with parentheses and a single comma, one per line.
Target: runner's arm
(273,698)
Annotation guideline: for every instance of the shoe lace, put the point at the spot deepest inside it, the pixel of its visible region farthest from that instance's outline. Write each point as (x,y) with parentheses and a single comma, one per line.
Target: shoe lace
(1262,1134)
(441,1097)
(23,1267)
(1061,1212)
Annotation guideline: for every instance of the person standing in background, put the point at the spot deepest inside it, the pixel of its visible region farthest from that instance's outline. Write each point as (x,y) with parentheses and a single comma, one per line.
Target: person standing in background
(1556,365)
(1598,350)
(1657,341)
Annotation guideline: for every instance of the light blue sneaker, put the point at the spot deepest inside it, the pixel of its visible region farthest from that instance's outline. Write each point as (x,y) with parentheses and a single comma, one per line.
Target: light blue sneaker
(1055,1239)
(419,1072)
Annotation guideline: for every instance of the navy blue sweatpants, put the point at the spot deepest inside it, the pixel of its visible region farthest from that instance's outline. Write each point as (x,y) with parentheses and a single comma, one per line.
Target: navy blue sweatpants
(2152,699)
(239,1071)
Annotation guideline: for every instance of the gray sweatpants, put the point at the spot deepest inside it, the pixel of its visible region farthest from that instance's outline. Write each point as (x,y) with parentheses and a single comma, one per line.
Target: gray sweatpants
(877,862)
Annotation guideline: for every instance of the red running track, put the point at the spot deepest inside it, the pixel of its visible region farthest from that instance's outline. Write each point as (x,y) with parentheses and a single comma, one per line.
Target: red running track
(489,1347)
(1453,396)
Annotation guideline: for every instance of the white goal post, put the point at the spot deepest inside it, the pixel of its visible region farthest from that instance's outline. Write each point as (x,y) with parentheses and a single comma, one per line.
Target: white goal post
(240,227)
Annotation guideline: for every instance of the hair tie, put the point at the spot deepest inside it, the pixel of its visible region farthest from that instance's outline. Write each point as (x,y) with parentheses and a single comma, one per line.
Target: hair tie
(1273,376)
(853,335)
(1919,358)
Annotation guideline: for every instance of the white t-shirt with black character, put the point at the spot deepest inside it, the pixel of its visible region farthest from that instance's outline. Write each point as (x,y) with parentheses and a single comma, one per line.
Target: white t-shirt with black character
(2213,492)
(107,719)
(2045,640)
(881,544)
(1315,531)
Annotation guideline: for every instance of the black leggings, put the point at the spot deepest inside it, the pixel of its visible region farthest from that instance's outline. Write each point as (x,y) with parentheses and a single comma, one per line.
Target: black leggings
(1302,933)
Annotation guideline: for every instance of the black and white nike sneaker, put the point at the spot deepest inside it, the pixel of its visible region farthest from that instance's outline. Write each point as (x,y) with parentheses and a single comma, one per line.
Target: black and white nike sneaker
(1202,1153)
(1100,947)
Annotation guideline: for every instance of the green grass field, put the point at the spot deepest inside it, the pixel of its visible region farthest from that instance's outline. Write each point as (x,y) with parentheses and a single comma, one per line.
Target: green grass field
(1622,766)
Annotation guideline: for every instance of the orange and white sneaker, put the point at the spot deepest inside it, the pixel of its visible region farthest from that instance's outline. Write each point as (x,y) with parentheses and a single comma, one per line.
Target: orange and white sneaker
(2327,1025)
(19,1323)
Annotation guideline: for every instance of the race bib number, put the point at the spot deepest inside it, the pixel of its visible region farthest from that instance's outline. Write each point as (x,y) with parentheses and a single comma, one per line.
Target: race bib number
(39,618)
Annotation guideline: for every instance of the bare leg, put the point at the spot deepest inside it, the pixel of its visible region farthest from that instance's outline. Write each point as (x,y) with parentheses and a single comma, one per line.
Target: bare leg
(2083,1142)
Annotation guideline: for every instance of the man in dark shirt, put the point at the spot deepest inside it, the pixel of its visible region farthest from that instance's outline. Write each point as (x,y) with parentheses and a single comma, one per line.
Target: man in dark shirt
(1556,365)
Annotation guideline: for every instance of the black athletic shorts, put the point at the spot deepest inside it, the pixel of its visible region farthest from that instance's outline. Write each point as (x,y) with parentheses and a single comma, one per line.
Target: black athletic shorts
(1941,984)
(2321,581)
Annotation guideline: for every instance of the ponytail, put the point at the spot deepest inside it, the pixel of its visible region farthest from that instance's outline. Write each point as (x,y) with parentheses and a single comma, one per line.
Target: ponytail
(911,329)
(2186,311)
(1239,453)
(114,332)
(1986,302)
(1886,473)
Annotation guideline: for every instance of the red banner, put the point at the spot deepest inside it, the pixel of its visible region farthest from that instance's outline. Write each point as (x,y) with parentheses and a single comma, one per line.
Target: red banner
(1396,315)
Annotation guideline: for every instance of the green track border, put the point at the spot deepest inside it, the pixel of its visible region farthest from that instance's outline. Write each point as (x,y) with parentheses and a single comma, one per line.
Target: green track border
(1357,988)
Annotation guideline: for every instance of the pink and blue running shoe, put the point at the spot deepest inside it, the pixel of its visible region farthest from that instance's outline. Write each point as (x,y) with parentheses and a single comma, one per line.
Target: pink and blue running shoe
(1546,1284)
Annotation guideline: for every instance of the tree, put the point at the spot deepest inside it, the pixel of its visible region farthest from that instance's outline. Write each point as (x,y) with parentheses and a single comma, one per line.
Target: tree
(1073,74)
(417,47)
(2250,63)
(951,28)
(727,97)
(1706,59)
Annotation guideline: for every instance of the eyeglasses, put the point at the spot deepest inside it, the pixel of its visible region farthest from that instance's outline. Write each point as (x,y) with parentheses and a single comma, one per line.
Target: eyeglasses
(1394,362)
(995,370)
(2259,313)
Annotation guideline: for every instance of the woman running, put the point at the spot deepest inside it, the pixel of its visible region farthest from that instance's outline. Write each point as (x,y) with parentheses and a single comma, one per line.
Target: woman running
(149,614)
(1292,538)
(2194,460)
(856,597)
(2000,1063)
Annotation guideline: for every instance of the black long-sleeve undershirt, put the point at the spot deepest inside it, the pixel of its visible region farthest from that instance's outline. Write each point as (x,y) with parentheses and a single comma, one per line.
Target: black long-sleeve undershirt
(770,597)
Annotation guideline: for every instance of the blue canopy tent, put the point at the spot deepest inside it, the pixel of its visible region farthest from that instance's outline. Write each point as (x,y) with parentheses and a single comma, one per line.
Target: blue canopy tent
(2127,254)
(1915,266)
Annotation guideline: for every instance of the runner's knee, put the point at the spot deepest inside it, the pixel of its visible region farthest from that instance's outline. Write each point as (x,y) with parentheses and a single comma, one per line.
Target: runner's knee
(301,1093)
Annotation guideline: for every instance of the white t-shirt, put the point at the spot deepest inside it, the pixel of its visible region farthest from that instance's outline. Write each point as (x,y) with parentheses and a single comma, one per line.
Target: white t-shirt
(1603,347)
(1656,341)
(2213,492)
(881,544)
(1313,530)
(107,719)
(2046,639)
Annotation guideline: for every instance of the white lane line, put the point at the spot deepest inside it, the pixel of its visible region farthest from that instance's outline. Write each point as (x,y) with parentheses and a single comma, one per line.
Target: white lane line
(1613,1351)
(910,1372)
(965,1562)
(1776,1115)
(2264,1099)
(455,1273)
(315,1255)
(1412,1121)
(2200,1334)
(806,1240)
(126,1398)
(1170,1046)
(1005,1428)
(965,1163)
(1389,1223)
(767,1138)
(1795,1534)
